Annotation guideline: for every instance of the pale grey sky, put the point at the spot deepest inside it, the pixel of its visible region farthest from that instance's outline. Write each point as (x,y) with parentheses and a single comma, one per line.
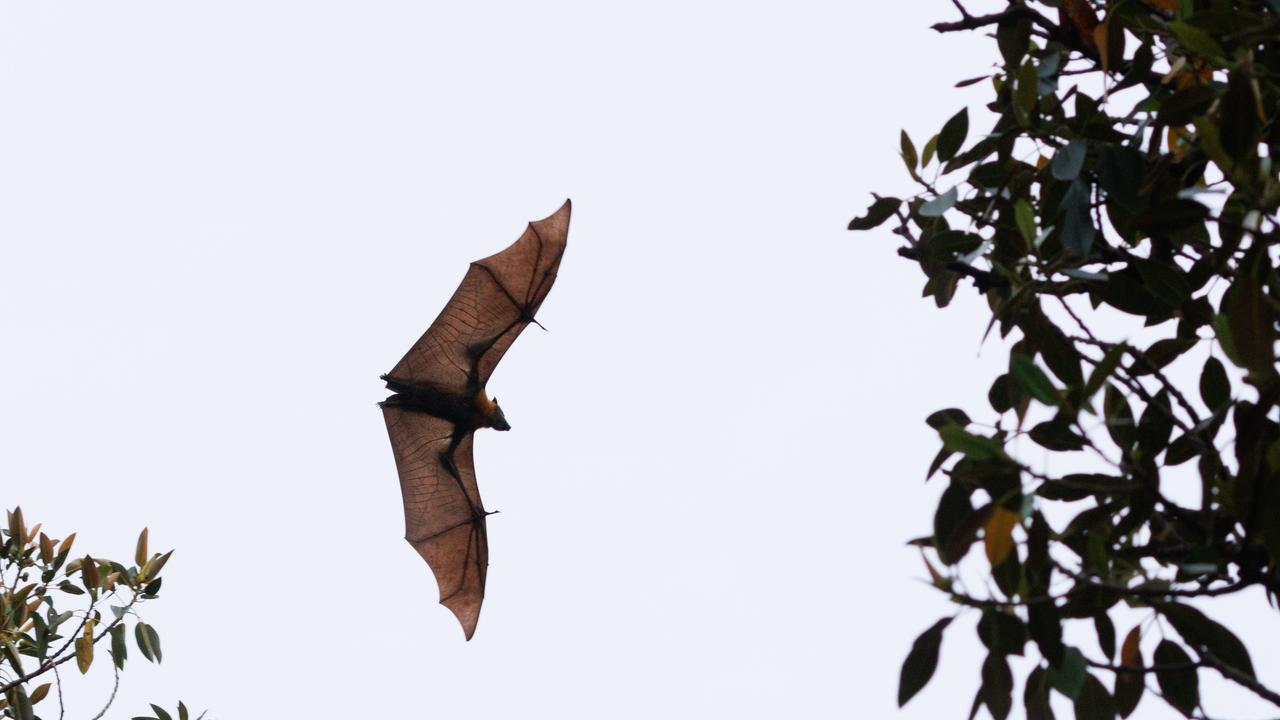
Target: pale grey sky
(222,221)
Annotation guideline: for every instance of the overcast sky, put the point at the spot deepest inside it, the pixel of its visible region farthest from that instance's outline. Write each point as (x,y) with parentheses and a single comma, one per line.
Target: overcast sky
(222,221)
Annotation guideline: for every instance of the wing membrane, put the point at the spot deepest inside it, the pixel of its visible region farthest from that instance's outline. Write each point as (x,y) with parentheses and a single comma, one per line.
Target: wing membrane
(497,298)
(443,515)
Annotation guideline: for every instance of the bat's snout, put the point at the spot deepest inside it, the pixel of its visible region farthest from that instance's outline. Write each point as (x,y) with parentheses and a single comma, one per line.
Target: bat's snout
(499,419)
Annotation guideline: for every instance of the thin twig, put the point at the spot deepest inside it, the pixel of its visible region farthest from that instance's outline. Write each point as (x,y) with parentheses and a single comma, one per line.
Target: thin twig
(113,694)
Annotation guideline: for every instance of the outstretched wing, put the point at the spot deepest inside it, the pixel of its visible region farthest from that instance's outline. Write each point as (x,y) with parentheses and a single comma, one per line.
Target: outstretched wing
(443,517)
(498,297)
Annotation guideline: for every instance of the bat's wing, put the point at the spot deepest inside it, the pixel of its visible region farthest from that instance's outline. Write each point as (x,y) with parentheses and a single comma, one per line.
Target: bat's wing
(498,297)
(443,516)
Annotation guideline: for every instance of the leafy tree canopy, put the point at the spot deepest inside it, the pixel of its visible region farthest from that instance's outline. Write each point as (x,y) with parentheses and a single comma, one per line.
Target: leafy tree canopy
(1119,219)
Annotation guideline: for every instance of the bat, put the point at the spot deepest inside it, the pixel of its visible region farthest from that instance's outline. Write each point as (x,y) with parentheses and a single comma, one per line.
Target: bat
(439,402)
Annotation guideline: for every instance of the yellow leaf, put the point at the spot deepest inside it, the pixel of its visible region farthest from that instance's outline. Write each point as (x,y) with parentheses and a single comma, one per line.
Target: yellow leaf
(66,544)
(84,648)
(140,554)
(46,548)
(998,534)
(38,694)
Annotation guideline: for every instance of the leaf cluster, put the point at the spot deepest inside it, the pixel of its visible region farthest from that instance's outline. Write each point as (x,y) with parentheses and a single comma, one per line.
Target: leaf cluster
(56,608)
(1126,184)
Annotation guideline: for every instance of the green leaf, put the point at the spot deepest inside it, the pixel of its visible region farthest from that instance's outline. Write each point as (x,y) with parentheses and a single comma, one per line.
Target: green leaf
(1068,161)
(143,639)
(1196,40)
(160,712)
(921,662)
(909,155)
(182,711)
(1215,388)
(882,209)
(1026,219)
(1251,321)
(1013,36)
(1094,702)
(1032,379)
(1067,677)
(929,148)
(1026,93)
(977,447)
(119,648)
(953,135)
(1179,686)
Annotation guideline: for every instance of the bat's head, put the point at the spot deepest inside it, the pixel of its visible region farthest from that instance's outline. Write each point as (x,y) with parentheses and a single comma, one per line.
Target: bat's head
(497,420)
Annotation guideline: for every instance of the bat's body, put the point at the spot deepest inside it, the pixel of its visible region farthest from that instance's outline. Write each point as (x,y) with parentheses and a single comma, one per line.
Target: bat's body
(440,401)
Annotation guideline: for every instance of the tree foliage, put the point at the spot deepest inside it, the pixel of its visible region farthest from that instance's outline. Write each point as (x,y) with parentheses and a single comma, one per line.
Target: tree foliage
(1119,218)
(56,608)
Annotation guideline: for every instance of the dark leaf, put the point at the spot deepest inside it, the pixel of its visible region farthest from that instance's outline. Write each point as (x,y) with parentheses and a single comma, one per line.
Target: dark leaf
(1170,217)
(1156,425)
(997,686)
(1120,173)
(882,209)
(119,647)
(1215,388)
(1183,106)
(1003,633)
(1106,631)
(1094,702)
(1068,161)
(953,134)
(1035,696)
(1056,435)
(949,416)
(1119,418)
(1161,353)
(1045,626)
(1178,681)
(1239,130)
(1165,281)
(921,662)
(1077,222)
(1205,634)
(1013,36)
(1130,685)
(909,155)
(953,508)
